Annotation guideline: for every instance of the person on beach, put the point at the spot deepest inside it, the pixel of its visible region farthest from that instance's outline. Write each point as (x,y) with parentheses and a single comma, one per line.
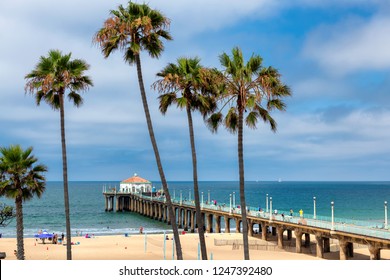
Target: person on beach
(141,230)
(291,212)
(55,237)
(301,213)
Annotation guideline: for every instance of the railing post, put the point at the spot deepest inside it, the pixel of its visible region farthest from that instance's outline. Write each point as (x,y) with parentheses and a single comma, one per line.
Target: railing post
(266,203)
(332,205)
(202,201)
(234,199)
(165,244)
(314,214)
(386,227)
(270,208)
(181,197)
(230,208)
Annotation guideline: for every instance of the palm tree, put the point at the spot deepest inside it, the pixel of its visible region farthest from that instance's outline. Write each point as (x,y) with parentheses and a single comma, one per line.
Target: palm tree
(185,84)
(253,90)
(132,29)
(20,179)
(53,77)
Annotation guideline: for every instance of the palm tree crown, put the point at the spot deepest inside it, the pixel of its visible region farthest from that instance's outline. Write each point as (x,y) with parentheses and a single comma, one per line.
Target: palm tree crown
(55,74)
(186,84)
(132,29)
(18,174)
(249,88)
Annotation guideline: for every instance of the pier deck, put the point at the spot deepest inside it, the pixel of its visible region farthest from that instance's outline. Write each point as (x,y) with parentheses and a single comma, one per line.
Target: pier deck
(347,232)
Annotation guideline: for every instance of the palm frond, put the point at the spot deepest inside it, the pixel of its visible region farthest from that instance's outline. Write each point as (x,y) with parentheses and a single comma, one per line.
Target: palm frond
(166,100)
(276,104)
(182,102)
(214,121)
(75,98)
(266,117)
(252,119)
(231,120)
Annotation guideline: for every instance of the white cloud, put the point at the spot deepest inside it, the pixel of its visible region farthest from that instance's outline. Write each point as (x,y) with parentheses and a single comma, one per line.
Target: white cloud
(312,87)
(359,134)
(203,15)
(352,45)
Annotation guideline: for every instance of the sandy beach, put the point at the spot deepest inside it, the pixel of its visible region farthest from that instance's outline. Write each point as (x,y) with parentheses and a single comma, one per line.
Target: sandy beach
(132,247)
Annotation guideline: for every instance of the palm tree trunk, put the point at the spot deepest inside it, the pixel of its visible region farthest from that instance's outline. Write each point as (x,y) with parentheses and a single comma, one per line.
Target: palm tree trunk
(172,217)
(242,184)
(65,178)
(19,228)
(199,219)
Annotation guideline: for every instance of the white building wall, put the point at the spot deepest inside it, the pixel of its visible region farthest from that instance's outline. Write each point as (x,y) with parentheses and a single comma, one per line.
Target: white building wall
(135,188)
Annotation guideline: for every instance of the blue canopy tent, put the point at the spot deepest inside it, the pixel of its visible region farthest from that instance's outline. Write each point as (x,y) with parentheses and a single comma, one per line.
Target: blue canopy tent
(43,235)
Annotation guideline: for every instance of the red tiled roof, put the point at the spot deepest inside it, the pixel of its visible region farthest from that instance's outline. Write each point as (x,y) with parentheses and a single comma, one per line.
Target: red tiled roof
(135,179)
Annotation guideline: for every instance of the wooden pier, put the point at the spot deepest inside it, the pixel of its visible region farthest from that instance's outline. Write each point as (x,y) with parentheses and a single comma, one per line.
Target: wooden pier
(267,223)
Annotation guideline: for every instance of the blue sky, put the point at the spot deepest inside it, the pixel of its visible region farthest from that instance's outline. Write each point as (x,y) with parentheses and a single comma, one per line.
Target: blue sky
(334,54)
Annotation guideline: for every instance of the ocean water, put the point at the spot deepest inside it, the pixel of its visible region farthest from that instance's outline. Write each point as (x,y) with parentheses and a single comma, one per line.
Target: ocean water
(353,200)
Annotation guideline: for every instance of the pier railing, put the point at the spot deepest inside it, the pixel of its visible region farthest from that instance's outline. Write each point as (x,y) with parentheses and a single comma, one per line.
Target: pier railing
(372,229)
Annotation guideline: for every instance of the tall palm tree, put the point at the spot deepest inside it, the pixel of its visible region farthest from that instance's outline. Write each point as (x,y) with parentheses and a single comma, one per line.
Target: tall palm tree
(253,90)
(54,76)
(185,84)
(132,29)
(20,179)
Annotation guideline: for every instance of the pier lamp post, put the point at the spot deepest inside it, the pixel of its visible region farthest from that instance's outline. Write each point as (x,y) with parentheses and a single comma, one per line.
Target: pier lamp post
(174,195)
(314,214)
(181,197)
(230,208)
(266,203)
(386,227)
(234,199)
(208,197)
(332,205)
(202,201)
(189,195)
(270,208)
